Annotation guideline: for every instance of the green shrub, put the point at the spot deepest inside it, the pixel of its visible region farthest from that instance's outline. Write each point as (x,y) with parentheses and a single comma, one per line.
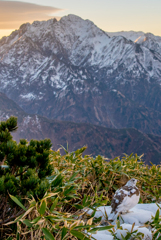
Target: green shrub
(23,171)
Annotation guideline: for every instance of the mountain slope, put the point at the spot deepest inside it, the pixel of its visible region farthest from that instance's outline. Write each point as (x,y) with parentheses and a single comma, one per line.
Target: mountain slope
(71,70)
(100,141)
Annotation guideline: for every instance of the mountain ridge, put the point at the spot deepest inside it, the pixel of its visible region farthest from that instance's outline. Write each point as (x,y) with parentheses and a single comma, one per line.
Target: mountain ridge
(99,140)
(135,36)
(71,70)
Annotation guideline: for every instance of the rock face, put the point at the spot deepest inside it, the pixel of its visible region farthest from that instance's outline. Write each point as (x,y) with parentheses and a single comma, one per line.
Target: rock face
(71,70)
(99,140)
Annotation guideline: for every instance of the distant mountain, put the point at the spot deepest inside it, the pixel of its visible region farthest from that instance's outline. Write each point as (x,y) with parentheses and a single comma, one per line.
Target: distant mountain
(100,140)
(138,37)
(71,70)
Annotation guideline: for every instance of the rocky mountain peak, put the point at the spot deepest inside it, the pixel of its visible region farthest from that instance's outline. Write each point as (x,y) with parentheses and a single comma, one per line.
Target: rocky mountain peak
(70,69)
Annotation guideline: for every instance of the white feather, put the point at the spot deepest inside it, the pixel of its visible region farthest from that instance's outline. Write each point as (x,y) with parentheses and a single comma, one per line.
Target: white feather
(128,203)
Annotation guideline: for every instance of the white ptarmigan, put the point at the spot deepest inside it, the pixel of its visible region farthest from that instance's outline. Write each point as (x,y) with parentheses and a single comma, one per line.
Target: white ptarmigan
(124,199)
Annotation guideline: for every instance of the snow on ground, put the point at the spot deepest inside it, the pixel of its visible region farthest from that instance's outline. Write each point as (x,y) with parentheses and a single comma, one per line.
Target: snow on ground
(139,215)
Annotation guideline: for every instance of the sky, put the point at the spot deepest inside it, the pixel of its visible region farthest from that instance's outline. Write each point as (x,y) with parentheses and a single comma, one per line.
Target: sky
(109,15)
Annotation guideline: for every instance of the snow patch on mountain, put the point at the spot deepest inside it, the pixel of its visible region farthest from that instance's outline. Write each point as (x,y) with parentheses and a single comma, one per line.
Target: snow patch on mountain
(28,96)
(33,121)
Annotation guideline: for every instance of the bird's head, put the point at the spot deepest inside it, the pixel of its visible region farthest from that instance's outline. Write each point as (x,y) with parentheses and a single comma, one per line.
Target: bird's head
(131,183)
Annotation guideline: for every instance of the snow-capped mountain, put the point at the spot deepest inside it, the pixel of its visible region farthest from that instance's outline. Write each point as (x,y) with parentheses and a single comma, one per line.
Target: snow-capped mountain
(72,70)
(141,38)
(138,37)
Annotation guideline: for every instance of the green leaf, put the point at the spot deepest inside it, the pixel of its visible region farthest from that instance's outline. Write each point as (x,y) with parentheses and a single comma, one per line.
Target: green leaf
(123,237)
(78,206)
(68,190)
(72,196)
(42,207)
(57,181)
(158,206)
(84,199)
(93,213)
(79,235)
(17,236)
(36,220)
(157,215)
(17,202)
(64,232)
(93,230)
(71,179)
(84,227)
(65,150)
(54,204)
(58,218)
(27,222)
(97,220)
(48,235)
(80,151)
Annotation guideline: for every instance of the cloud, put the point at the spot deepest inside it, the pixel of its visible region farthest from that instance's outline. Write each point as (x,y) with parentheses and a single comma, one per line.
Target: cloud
(14,13)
